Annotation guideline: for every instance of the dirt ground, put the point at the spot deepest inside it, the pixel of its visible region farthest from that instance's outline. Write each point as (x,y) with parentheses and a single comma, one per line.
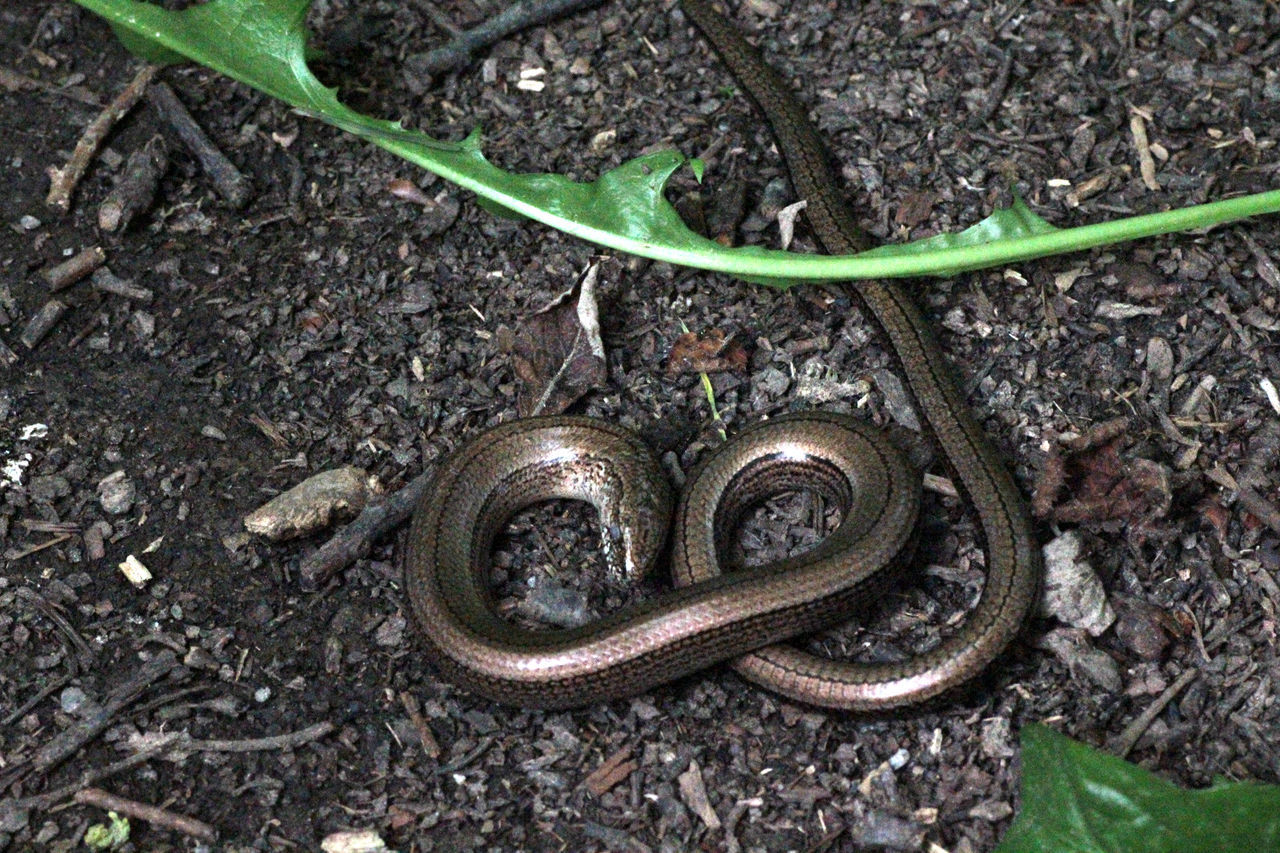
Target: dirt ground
(330,322)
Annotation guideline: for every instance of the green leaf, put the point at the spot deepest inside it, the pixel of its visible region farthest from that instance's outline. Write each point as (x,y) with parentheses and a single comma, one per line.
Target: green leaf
(262,43)
(108,836)
(146,49)
(1009,223)
(1078,800)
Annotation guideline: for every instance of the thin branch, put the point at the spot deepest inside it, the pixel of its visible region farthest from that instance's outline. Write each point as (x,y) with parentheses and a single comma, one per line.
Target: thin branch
(230,183)
(89,777)
(1128,739)
(261,744)
(518,16)
(145,811)
(67,742)
(354,541)
(15,81)
(35,700)
(62,182)
(168,742)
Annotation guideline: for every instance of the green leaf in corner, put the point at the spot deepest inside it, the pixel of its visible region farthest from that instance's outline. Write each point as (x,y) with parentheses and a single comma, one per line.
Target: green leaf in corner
(1076,799)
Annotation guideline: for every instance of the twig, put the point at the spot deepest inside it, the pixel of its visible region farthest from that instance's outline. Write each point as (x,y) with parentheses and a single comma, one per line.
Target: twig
(426,738)
(611,771)
(35,700)
(1014,8)
(164,743)
(63,275)
(143,811)
(1134,731)
(171,697)
(438,18)
(62,182)
(227,179)
(1210,642)
(36,549)
(995,95)
(42,322)
(518,16)
(15,81)
(916,33)
(68,741)
(87,329)
(105,281)
(81,732)
(54,615)
(261,744)
(353,541)
(1142,146)
(89,777)
(1024,144)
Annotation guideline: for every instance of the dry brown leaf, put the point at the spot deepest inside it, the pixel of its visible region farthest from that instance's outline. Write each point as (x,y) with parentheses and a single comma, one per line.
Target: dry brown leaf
(557,352)
(707,352)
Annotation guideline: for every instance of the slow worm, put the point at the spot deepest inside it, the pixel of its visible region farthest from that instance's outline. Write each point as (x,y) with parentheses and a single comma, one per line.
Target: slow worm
(743,615)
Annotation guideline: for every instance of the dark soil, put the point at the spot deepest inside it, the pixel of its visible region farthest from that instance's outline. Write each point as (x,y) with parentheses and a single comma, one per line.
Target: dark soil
(330,323)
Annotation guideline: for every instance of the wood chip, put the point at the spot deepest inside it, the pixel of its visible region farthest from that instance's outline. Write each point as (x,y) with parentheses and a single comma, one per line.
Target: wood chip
(135,572)
(79,265)
(42,323)
(1146,163)
(136,188)
(694,793)
(614,769)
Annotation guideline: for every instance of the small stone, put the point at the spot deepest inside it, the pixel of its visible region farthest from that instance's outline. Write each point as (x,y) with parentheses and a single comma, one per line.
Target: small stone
(1072,590)
(556,605)
(772,382)
(991,810)
(995,738)
(71,700)
(311,505)
(391,632)
(1073,648)
(143,325)
(48,488)
(1138,628)
(116,493)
